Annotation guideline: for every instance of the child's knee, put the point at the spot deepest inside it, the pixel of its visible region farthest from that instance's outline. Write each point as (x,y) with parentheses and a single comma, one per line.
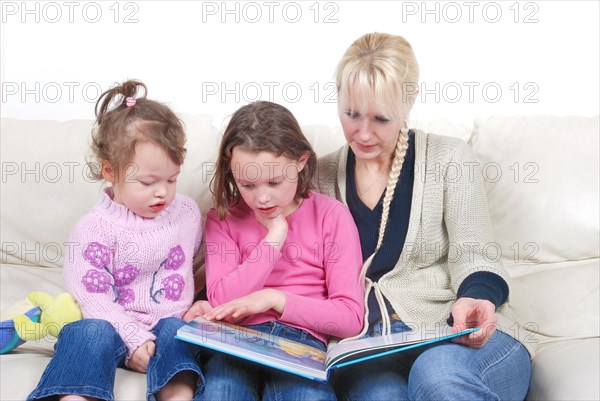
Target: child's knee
(88,329)
(168,325)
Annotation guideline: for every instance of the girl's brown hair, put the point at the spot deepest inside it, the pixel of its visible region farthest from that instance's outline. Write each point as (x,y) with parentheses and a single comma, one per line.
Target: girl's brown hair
(260,127)
(125,119)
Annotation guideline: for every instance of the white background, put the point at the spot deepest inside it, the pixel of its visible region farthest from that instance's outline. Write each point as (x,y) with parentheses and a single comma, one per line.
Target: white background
(477,58)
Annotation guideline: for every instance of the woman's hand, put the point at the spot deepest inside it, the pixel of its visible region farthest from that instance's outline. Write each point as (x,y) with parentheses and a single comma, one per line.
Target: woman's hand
(468,313)
(257,302)
(277,229)
(141,357)
(199,308)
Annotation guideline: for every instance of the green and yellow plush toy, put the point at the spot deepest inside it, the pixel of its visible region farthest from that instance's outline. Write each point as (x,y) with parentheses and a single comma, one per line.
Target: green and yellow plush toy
(35,317)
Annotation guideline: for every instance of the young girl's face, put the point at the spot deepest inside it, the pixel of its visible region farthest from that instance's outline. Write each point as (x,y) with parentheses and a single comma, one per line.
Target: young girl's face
(146,185)
(266,182)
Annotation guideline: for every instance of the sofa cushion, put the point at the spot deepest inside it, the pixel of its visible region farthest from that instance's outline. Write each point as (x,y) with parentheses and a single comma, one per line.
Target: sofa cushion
(443,126)
(541,176)
(43,167)
(557,300)
(566,370)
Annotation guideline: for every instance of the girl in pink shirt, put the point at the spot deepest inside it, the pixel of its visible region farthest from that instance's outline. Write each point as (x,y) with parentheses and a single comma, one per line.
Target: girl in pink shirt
(130,260)
(280,258)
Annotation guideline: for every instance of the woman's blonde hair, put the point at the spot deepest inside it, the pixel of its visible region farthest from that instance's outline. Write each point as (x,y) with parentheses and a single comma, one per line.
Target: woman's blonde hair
(381,69)
(378,68)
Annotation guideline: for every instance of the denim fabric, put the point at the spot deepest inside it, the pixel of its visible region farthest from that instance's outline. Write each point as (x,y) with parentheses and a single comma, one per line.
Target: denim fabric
(88,352)
(170,357)
(231,378)
(500,370)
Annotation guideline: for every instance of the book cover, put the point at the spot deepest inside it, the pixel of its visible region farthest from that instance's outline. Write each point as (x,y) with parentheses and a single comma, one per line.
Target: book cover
(300,359)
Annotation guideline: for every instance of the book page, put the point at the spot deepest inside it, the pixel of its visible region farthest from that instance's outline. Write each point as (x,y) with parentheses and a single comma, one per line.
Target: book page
(352,350)
(256,346)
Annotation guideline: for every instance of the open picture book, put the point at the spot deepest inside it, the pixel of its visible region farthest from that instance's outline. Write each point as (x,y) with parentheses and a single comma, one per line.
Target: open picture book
(300,359)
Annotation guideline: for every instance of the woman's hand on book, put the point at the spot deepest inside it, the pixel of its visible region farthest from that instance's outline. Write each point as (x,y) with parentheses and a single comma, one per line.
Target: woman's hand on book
(251,304)
(468,313)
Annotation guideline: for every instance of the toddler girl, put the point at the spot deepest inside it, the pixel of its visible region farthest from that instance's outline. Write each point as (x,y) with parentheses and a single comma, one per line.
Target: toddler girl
(130,264)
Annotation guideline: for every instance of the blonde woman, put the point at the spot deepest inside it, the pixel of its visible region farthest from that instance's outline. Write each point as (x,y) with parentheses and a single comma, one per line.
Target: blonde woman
(419,203)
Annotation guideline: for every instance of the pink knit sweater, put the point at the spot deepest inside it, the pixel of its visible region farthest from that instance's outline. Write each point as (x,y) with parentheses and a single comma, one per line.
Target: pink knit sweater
(317,268)
(133,271)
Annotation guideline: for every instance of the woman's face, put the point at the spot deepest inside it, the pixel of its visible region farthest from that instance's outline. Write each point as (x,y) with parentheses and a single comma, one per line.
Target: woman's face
(370,133)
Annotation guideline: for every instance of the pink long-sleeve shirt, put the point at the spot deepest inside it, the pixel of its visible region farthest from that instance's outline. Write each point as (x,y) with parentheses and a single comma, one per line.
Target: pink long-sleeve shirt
(133,271)
(317,267)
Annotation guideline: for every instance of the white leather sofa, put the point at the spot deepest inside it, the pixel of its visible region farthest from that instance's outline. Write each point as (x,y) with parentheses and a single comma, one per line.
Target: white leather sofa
(543,190)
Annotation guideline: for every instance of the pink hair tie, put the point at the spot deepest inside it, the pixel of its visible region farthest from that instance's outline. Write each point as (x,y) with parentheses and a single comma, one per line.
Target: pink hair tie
(130,101)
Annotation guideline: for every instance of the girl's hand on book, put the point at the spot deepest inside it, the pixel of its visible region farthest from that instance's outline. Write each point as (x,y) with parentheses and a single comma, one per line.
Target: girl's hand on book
(199,308)
(277,229)
(468,313)
(257,302)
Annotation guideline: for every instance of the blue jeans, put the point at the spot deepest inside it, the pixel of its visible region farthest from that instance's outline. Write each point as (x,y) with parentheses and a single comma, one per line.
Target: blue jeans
(231,378)
(500,370)
(88,352)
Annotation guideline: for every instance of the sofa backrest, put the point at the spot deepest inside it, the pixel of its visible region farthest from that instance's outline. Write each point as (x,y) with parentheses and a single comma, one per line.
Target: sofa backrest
(541,176)
(542,183)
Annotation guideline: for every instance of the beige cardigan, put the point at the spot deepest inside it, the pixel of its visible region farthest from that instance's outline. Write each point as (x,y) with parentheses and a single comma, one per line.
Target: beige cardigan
(449,235)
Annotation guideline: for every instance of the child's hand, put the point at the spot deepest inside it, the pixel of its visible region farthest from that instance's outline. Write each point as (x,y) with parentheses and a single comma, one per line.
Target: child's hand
(141,356)
(277,229)
(257,302)
(199,308)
